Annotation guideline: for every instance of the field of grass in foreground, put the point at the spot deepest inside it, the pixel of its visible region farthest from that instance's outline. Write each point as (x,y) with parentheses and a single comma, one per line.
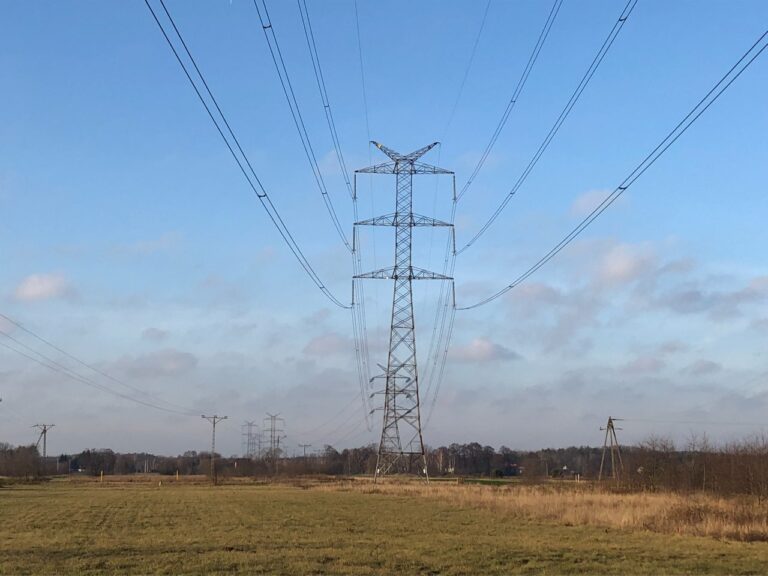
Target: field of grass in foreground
(78,528)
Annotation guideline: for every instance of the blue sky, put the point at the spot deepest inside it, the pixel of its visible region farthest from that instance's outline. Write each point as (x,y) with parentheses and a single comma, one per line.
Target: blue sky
(131,240)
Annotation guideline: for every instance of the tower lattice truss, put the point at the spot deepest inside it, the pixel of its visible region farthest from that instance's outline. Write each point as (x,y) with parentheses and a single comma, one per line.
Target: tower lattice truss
(401,448)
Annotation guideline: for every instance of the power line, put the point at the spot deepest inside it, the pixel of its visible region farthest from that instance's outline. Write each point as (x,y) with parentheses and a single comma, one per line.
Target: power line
(362,78)
(466,71)
(441,339)
(55,366)
(701,106)
(312,46)
(298,120)
(515,94)
(86,365)
(252,179)
(346,407)
(333,432)
(370,177)
(359,323)
(601,53)
(349,435)
(441,309)
(444,353)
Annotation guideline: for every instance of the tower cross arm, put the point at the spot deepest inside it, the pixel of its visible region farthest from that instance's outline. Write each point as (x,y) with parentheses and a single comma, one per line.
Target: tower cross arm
(422,168)
(397,157)
(388,151)
(416,154)
(393,273)
(403,166)
(383,168)
(402,220)
(411,157)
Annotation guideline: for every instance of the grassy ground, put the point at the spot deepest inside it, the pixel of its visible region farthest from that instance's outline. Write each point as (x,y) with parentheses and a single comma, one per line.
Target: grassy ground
(738,518)
(68,528)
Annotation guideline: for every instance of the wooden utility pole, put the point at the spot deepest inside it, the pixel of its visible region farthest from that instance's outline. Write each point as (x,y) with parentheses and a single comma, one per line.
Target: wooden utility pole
(44,437)
(611,443)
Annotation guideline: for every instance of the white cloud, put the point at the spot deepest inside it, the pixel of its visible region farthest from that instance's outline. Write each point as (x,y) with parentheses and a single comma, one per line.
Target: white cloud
(624,263)
(538,294)
(482,350)
(587,202)
(332,343)
(703,367)
(154,334)
(329,164)
(695,297)
(37,287)
(163,363)
(671,348)
(644,365)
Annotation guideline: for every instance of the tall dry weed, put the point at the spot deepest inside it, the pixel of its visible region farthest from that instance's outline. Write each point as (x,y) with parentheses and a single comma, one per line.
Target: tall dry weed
(738,518)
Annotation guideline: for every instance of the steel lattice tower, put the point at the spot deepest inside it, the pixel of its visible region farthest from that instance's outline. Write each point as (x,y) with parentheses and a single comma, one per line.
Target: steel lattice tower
(401,439)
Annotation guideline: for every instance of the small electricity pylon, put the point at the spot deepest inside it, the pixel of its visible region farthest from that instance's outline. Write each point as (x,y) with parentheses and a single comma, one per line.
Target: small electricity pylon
(274,439)
(213,420)
(304,447)
(611,443)
(249,439)
(44,437)
(401,438)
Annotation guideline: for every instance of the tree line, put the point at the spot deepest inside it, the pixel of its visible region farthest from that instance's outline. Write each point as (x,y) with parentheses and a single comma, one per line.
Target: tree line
(655,464)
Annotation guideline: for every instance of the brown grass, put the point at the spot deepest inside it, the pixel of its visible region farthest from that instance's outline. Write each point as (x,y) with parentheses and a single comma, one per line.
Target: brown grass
(346,527)
(698,514)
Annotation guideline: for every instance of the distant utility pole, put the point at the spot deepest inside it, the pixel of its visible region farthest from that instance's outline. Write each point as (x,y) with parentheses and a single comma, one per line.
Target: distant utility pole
(213,420)
(44,437)
(611,443)
(275,431)
(304,447)
(249,439)
(402,446)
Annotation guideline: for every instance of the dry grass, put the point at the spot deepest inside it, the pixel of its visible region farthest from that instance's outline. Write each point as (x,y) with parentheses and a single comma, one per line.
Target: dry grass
(310,526)
(570,504)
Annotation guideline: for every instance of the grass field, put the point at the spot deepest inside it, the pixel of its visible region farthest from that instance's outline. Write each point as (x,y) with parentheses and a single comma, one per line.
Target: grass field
(67,527)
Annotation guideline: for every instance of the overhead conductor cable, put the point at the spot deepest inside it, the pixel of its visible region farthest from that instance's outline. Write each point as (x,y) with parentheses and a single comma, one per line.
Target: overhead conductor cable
(701,106)
(250,174)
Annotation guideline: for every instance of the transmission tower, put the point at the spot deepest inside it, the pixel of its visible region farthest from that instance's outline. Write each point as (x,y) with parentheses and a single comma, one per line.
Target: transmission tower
(275,434)
(250,439)
(401,442)
(611,443)
(44,437)
(213,420)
